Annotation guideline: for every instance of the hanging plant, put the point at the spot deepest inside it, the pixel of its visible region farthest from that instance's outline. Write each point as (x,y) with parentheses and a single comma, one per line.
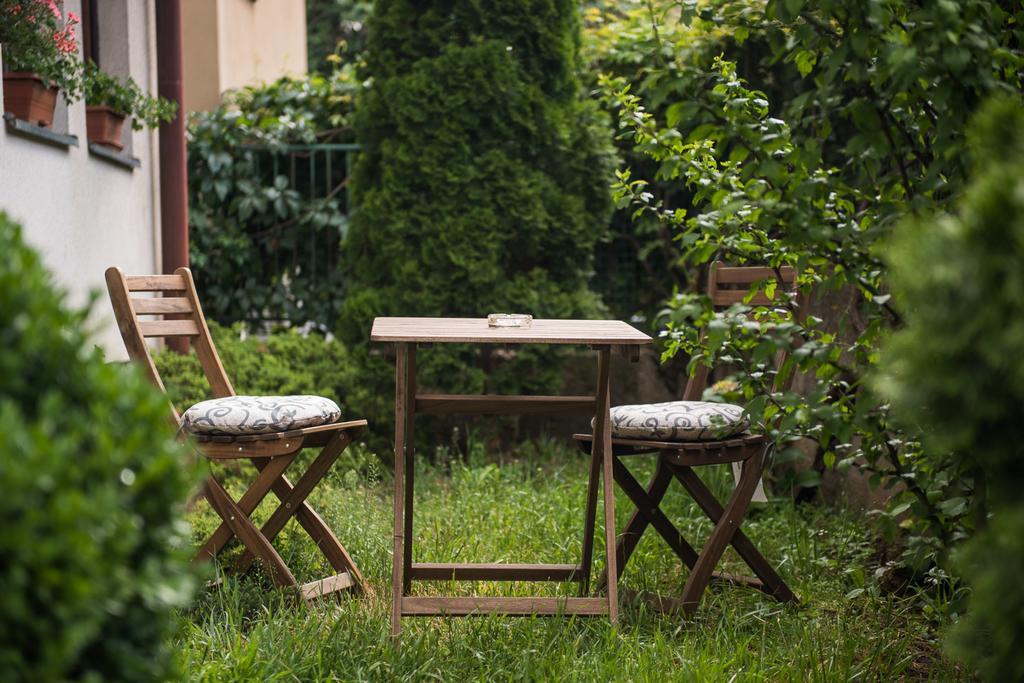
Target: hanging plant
(40,56)
(110,100)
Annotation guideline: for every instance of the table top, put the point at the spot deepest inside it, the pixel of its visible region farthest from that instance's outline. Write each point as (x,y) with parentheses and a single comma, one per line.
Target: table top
(439,330)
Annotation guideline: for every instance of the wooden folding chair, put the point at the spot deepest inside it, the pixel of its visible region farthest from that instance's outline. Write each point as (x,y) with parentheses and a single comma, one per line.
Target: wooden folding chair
(176,313)
(677,457)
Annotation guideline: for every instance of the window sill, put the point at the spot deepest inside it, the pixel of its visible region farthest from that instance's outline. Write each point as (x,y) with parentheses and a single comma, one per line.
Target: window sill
(117,158)
(38,133)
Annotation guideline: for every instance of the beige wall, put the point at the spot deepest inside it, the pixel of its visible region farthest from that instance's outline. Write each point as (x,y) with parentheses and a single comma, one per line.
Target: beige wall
(202,65)
(80,211)
(234,43)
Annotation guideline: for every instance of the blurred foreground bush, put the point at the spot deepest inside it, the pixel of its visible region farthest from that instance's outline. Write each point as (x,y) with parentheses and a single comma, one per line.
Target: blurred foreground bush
(93,549)
(955,372)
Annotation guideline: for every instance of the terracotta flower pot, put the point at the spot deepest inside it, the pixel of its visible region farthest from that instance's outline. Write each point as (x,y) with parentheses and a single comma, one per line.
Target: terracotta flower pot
(29,97)
(103,125)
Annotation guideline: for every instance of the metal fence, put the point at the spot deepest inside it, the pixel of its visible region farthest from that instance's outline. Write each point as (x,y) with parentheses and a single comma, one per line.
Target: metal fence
(305,254)
(315,171)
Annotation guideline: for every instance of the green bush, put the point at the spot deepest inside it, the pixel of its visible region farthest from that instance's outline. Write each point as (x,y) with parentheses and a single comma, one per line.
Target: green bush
(955,373)
(482,185)
(955,369)
(991,635)
(93,549)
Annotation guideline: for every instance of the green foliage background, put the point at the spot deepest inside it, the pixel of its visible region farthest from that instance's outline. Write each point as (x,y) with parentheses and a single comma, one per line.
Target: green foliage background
(482,184)
(336,32)
(244,216)
(795,133)
(93,548)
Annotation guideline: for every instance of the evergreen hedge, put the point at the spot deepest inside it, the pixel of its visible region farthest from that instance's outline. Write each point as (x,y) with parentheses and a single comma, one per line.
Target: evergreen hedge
(93,549)
(483,182)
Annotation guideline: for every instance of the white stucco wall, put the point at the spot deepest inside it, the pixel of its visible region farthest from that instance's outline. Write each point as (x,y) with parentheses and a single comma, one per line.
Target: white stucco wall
(80,211)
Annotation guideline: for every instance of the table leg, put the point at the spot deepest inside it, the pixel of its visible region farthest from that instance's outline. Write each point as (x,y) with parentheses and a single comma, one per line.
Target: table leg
(397,563)
(410,465)
(588,521)
(603,443)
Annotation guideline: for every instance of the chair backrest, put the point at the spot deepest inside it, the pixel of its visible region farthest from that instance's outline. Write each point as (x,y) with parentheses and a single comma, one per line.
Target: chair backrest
(171,310)
(728,285)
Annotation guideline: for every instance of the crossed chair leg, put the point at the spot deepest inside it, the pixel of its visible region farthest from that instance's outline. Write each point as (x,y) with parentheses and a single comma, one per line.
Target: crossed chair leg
(726,531)
(257,542)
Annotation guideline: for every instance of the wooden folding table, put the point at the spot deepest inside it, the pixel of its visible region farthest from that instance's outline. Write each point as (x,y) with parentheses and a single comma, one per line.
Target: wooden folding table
(604,336)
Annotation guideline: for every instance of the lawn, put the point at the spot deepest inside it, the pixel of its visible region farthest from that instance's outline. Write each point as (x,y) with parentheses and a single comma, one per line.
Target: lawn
(528,507)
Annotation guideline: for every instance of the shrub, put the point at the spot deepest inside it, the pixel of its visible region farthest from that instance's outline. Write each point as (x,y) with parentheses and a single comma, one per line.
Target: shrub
(482,183)
(954,372)
(93,547)
(954,369)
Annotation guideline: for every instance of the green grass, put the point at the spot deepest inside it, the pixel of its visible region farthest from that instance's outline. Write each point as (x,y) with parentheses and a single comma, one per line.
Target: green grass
(529,509)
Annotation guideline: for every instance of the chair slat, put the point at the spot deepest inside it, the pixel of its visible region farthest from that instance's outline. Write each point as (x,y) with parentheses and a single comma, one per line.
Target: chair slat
(156,283)
(169,328)
(154,305)
(745,275)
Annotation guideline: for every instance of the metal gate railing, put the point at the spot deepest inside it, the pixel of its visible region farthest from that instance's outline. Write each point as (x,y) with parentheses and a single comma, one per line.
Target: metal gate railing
(316,171)
(305,255)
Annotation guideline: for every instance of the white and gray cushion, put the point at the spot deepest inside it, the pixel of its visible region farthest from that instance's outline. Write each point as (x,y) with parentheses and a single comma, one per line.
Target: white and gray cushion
(239,415)
(678,421)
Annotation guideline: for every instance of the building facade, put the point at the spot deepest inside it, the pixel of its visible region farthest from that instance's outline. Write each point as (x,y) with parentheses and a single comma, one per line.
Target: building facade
(83,207)
(234,43)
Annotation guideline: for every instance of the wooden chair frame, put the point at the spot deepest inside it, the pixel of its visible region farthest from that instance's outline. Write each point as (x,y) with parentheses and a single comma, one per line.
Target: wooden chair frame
(178,305)
(677,460)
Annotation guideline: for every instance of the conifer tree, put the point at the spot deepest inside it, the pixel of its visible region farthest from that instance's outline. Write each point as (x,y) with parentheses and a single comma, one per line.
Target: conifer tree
(483,182)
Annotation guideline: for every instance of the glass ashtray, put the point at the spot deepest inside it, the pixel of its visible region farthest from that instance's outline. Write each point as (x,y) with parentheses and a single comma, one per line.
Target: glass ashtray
(509,320)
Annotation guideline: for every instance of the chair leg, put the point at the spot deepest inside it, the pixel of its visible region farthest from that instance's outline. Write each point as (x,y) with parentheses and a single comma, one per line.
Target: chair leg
(271,469)
(648,512)
(324,537)
(294,497)
(772,583)
(723,533)
(254,541)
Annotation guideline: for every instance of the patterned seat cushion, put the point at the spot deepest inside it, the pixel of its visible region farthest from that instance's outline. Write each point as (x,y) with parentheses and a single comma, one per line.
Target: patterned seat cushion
(678,421)
(238,415)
